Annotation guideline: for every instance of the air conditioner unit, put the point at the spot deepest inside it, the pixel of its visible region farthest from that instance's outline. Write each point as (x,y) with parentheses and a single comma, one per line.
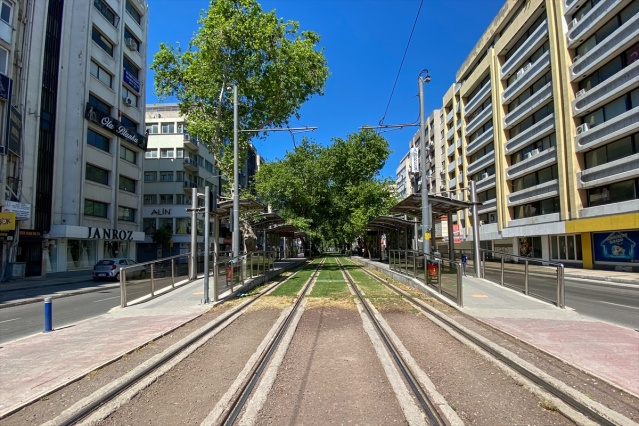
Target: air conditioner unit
(492,218)
(581,93)
(128,101)
(520,73)
(572,24)
(187,137)
(481,222)
(583,128)
(527,155)
(534,152)
(484,176)
(527,67)
(131,44)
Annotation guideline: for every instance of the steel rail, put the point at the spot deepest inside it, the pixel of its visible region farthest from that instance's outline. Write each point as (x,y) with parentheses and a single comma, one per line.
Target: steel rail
(428,406)
(232,412)
(92,406)
(539,381)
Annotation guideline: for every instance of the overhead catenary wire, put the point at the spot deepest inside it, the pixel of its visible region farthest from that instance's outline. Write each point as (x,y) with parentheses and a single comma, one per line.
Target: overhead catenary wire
(402,62)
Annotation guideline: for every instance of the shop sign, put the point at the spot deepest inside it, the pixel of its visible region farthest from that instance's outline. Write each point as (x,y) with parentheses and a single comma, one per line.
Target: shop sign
(131,80)
(114,126)
(618,246)
(22,210)
(161,212)
(109,234)
(7,221)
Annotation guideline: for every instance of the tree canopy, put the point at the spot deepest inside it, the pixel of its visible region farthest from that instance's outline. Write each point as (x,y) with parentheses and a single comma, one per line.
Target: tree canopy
(275,65)
(332,191)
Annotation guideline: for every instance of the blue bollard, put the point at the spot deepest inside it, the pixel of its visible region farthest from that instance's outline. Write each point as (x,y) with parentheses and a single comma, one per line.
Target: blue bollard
(48,322)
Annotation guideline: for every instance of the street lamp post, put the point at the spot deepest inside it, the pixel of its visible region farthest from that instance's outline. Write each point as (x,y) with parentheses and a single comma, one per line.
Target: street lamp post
(424,77)
(236,185)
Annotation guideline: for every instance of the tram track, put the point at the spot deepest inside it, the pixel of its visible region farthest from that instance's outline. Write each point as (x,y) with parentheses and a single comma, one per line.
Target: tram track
(576,403)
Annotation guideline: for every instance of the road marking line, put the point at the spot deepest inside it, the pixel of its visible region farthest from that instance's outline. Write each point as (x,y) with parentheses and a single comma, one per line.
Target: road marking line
(108,298)
(619,304)
(15,319)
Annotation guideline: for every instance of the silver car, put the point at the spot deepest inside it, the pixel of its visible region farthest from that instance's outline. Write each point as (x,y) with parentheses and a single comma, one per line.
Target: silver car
(110,268)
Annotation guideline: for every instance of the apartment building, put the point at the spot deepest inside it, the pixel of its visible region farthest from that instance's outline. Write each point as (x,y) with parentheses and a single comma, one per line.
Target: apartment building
(77,108)
(544,116)
(175,163)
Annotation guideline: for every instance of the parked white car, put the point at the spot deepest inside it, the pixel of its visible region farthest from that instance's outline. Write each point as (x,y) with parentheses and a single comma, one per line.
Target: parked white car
(110,268)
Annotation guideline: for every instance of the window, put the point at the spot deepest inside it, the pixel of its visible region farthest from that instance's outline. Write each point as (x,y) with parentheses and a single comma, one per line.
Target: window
(565,247)
(97,140)
(101,74)
(166,223)
(536,86)
(166,176)
(150,176)
(613,151)
(168,127)
(101,106)
(131,67)
(542,144)
(151,153)
(102,41)
(96,174)
(107,12)
(166,198)
(608,28)
(535,178)
(127,184)
(148,224)
(181,199)
(183,225)
(150,199)
(179,176)
(180,127)
(131,10)
(4,60)
(613,193)
(5,12)
(533,119)
(128,155)
(537,208)
(126,214)
(127,122)
(129,96)
(483,151)
(152,128)
(166,153)
(484,196)
(131,41)
(612,109)
(95,208)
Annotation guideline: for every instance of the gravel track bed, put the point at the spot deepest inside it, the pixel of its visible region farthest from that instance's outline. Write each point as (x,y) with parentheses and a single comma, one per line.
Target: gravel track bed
(331,375)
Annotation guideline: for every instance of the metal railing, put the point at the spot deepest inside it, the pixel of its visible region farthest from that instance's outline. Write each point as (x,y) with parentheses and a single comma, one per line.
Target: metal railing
(505,269)
(443,275)
(143,280)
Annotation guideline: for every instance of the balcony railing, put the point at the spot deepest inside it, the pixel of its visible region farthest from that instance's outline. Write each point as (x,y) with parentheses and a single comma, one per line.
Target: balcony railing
(537,131)
(618,127)
(451,167)
(623,36)
(525,109)
(485,183)
(541,64)
(609,89)
(449,116)
(583,26)
(480,119)
(622,169)
(450,133)
(481,163)
(486,206)
(568,5)
(190,141)
(188,184)
(189,163)
(450,150)
(534,162)
(477,99)
(482,140)
(452,183)
(535,40)
(534,193)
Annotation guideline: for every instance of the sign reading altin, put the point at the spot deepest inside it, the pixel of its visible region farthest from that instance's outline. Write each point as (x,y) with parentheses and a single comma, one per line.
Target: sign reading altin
(114,126)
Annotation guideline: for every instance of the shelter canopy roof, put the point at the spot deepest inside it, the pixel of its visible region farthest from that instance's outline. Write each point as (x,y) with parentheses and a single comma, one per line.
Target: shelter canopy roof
(440,206)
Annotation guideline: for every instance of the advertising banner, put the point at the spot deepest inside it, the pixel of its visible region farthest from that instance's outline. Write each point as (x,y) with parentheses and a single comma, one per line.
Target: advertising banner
(618,246)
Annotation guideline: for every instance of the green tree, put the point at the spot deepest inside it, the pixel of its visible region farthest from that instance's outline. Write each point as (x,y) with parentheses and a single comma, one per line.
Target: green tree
(276,67)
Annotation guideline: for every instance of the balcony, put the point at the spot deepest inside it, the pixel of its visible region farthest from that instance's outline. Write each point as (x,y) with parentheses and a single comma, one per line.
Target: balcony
(527,108)
(451,167)
(481,163)
(536,39)
(450,133)
(534,162)
(624,36)
(449,116)
(452,183)
(618,127)
(568,5)
(539,130)
(534,193)
(482,140)
(188,185)
(541,65)
(480,119)
(485,183)
(486,206)
(450,150)
(586,26)
(190,142)
(611,88)
(472,104)
(190,164)
(618,170)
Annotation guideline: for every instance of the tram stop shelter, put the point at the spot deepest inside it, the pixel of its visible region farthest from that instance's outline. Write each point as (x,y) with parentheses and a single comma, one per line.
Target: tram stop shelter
(277,234)
(401,231)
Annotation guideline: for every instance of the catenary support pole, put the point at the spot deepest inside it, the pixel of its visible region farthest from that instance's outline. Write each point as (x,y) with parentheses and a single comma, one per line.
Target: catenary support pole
(236,184)
(193,259)
(476,254)
(207,249)
(424,77)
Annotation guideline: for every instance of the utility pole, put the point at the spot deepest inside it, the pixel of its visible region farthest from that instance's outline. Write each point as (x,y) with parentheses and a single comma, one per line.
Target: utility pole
(424,77)
(236,184)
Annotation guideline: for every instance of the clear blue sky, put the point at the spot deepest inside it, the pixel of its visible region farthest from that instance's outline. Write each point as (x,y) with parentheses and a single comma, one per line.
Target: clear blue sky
(364,42)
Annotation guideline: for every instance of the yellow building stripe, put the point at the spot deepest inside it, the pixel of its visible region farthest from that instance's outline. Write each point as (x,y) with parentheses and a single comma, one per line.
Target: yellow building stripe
(618,222)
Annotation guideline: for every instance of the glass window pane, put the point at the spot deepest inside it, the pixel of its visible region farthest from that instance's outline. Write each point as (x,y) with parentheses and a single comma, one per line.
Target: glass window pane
(622,191)
(570,240)
(578,247)
(562,247)
(615,108)
(554,248)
